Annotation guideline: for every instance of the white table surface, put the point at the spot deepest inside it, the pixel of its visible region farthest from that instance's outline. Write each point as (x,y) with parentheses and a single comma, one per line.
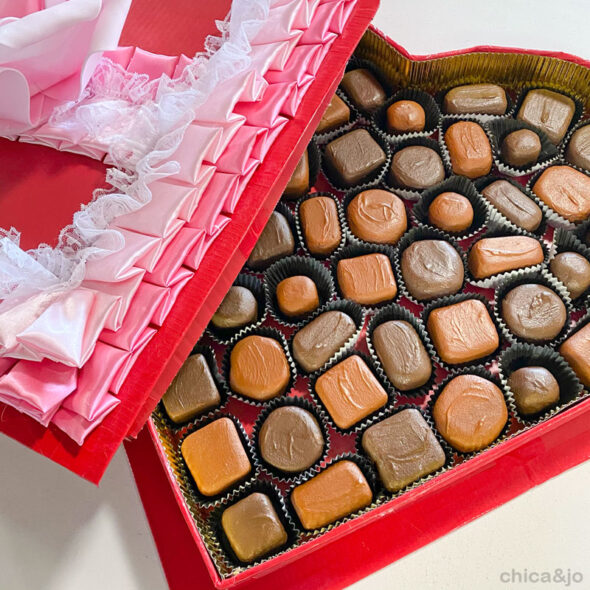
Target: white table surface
(58,532)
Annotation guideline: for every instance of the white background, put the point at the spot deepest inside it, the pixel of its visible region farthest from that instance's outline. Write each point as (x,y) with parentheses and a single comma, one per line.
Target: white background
(60,533)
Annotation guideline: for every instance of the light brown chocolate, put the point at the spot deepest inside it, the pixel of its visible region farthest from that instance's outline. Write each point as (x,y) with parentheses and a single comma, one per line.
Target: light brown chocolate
(451,212)
(299,182)
(534,389)
(476,99)
(366,279)
(363,89)
(320,225)
(521,148)
(578,148)
(336,114)
(469,149)
(297,295)
(549,111)
(238,308)
(573,270)
(405,116)
(515,205)
(416,167)
(275,241)
(576,351)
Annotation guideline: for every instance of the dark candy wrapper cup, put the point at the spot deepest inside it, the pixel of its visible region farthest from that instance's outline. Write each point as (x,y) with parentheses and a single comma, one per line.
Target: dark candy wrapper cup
(268,333)
(297,266)
(529,355)
(371,418)
(395,312)
(537,278)
(293,401)
(462,186)
(425,100)
(254,285)
(485,374)
(363,464)
(220,544)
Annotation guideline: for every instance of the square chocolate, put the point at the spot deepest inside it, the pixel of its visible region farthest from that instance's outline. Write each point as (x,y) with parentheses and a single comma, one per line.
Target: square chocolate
(367,279)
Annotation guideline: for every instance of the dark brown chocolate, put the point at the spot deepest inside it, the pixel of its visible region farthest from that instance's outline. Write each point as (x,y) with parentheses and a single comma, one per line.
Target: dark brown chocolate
(534,389)
(238,308)
(336,114)
(514,204)
(363,89)
(573,270)
(416,167)
(578,148)
(521,148)
(275,241)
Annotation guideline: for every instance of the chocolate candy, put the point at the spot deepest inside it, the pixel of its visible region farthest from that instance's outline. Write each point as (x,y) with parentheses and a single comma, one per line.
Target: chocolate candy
(405,116)
(521,148)
(215,457)
(470,413)
(258,368)
(463,332)
(253,527)
(534,389)
(566,190)
(192,391)
(573,270)
(363,89)
(366,279)
(476,99)
(275,241)
(337,491)
(297,296)
(403,448)
(451,212)
(431,269)
(299,182)
(578,149)
(336,114)
(549,111)
(320,225)
(534,312)
(416,167)
(377,216)
(402,354)
(291,439)
(490,256)
(576,351)
(350,392)
(322,338)
(238,308)
(469,149)
(353,156)
(514,204)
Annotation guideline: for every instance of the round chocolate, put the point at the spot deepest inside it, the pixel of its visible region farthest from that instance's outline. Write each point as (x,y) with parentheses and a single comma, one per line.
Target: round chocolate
(470,413)
(377,216)
(573,270)
(297,296)
(291,439)
(431,269)
(238,308)
(534,312)
(405,116)
(534,389)
(578,149)
(451,212)
(416,167)
(521,148)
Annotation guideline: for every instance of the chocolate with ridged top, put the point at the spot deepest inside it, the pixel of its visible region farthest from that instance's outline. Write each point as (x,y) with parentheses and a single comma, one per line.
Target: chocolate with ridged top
(451,212)
(291,439)
(299,182)
(573,270)
(322,338)
(320,225)
(337,113)
(366,279)
(469,149)
(534,389)
(238,308)
(275,241)
(476,99)
(416,167)
(521,148)
(549,111)
(363,89)
(578,148)
(514,204)
(431,269)
(402,354)
(404,449)
(534,312)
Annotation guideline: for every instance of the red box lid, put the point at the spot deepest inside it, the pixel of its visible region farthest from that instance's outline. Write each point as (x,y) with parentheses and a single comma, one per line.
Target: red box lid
(159,27)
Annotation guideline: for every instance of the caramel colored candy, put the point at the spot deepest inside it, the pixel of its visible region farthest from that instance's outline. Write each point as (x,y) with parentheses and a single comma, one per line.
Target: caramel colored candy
(451,212)
(297,296)
(566,190)
(469,149)
(363,89)
(253,527)
(367,279)
(573,270)
(350,391)
(192,392)
(335,115)
(463,332)
(215,457)
(549,111)
(337,491)
(320,224)
(258,368)
(521,148)
(470,413)
(578,149)
(576,351)
(476,99)
(490,256)
(299,181)
(377,216)
(405,116)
